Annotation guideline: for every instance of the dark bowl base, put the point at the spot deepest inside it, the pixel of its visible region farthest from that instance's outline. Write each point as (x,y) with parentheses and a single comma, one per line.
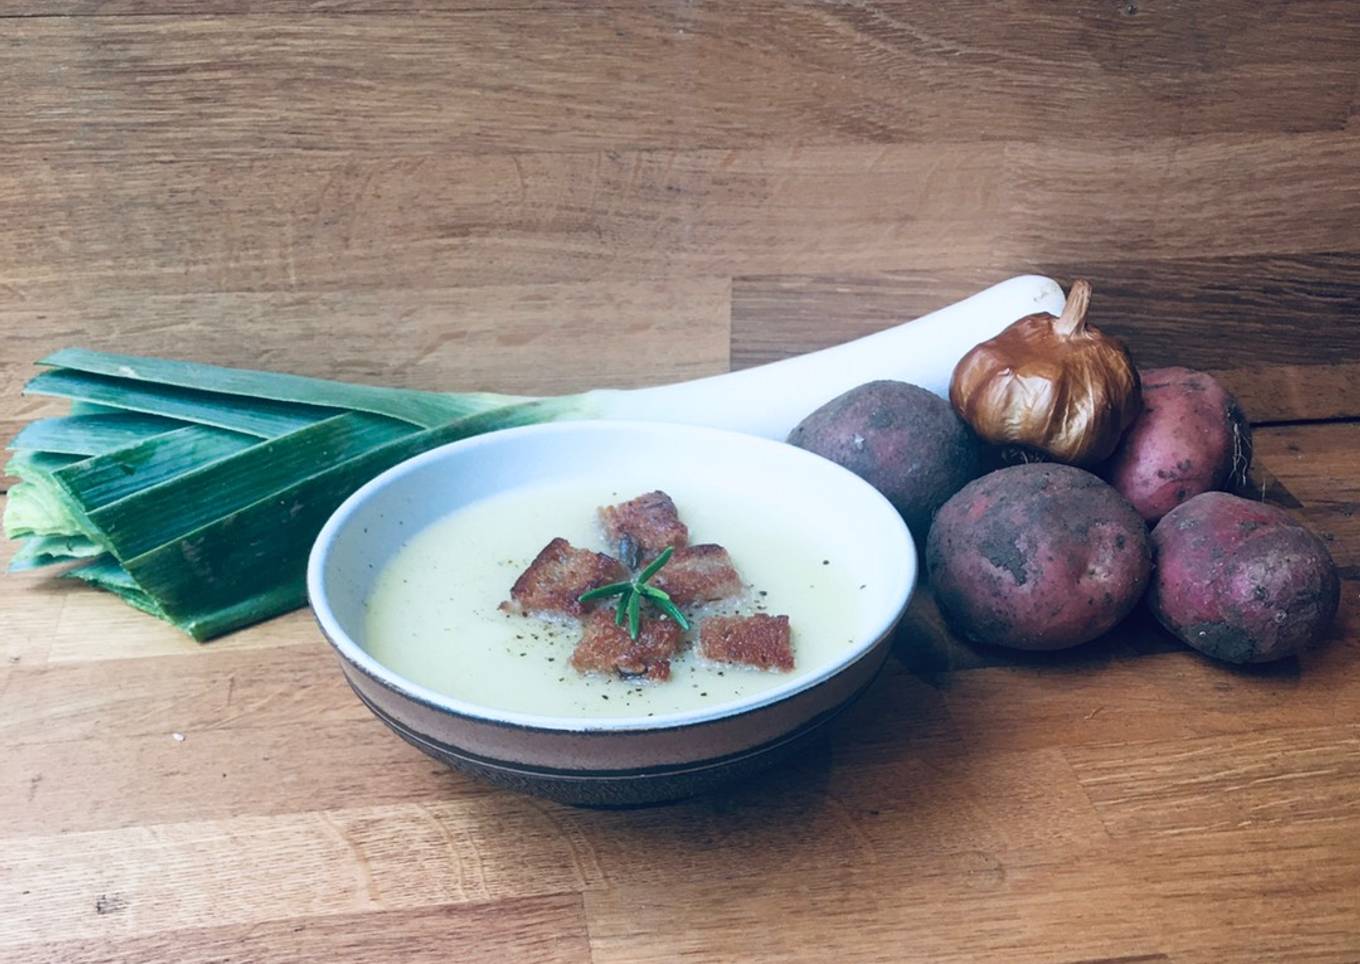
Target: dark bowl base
(618,789)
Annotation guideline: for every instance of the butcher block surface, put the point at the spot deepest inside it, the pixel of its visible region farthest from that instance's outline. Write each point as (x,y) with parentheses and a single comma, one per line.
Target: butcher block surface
(549,196)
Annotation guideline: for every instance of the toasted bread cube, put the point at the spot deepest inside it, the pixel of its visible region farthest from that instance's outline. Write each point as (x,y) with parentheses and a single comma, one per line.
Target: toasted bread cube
(697,574)
(607,648)
(650,522)
(559,574)
(761,640)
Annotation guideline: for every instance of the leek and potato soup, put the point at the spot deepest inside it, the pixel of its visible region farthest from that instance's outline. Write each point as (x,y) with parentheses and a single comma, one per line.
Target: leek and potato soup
(691,598)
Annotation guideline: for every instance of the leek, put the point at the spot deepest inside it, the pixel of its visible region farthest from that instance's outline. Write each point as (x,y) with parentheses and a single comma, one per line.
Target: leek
(194,492)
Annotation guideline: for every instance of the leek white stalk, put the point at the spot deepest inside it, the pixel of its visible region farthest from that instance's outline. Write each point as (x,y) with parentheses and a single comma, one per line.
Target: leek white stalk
(194,492)
(770,400)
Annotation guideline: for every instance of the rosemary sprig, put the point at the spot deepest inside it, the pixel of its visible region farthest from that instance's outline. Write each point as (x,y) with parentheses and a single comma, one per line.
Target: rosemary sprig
(632,593)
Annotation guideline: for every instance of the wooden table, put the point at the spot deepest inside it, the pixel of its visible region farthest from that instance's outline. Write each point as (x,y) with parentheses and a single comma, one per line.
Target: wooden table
(546,196)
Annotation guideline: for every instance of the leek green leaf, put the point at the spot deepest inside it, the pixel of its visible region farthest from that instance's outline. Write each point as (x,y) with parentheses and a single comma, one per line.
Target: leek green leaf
(38,551)
(40,508)
(195,492)
(90,434)
(106,478)
(105,573)
(426,409)
(161,513)
(260,417)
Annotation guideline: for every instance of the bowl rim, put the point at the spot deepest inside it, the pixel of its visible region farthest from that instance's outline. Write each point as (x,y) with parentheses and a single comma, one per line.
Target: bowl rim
(355,655)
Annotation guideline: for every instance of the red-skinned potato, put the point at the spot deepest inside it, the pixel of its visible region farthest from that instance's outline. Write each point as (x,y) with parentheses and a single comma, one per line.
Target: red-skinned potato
(1190,437)
(903,440)
(1241,581)
(1039,556)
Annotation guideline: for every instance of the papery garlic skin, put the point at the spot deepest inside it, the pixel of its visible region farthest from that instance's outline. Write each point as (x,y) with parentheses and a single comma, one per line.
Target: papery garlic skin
(1053,384)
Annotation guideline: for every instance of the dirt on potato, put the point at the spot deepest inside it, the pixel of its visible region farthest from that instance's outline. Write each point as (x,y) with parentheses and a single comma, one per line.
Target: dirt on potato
(1191,437)
(903,440)
(1039,556)
(1241,581)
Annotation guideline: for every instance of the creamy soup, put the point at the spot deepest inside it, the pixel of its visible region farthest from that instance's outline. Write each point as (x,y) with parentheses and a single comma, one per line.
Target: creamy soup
(433,615)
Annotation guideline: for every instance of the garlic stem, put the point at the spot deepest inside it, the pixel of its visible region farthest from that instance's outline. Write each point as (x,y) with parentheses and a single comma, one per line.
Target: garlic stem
(1073,317)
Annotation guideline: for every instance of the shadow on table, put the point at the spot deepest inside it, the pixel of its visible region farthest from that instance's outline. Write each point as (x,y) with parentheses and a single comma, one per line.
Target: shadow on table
(954,750)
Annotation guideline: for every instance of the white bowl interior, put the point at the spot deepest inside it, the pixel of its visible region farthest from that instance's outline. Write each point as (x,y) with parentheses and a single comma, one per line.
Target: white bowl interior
(854,523)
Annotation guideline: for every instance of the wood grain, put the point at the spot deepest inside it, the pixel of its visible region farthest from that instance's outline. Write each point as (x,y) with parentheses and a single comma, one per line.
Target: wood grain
(1227,899)
(1258,322)
(355,224)
(64,701)
(464,220)
(1223,783)
(549,929)
(540,196)
(161,777)
(1172,698)
(30,610)
(1187,196)
(1316,460)
(661,76)
(507,339)
(285,867)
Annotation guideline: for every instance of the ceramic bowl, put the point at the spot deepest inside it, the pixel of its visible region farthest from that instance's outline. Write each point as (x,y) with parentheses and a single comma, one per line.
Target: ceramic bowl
(620,761)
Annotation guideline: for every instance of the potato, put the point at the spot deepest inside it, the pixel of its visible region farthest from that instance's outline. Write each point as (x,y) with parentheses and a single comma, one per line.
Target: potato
(1191,437)
(903,440)
(1039,556)
(1241,581)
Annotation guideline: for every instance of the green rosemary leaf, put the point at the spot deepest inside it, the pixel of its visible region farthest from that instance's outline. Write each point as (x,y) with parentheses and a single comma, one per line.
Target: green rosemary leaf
(634,614)
(668,607)
(603,592)
(655,565)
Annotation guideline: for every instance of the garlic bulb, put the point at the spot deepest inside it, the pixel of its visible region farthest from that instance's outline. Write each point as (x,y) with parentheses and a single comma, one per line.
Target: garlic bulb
(1057,385)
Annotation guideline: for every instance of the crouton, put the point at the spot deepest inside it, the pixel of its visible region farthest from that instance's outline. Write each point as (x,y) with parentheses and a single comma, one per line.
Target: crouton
(697,574)
(558,576)
(761,640)
(650,522)
(607,648)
